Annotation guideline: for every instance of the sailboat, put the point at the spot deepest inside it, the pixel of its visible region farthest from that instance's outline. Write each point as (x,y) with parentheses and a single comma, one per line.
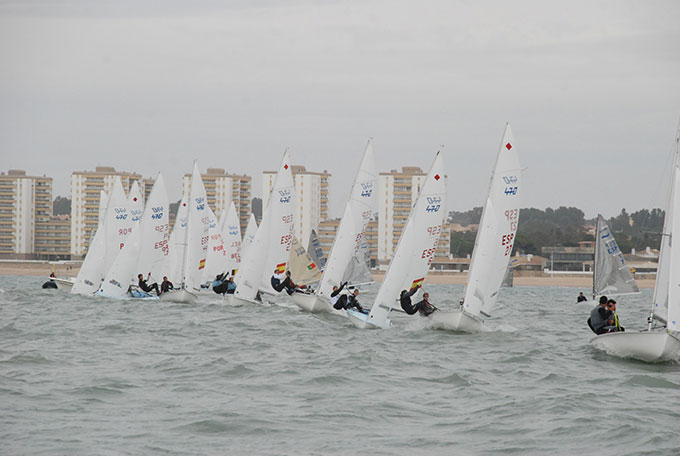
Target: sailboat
(360,208)
(270,250)
(108,240)
(145,251)
(493,244)
(662,342)
(415,250)
(249,236)
(195,243)
(216,260)
(611,274)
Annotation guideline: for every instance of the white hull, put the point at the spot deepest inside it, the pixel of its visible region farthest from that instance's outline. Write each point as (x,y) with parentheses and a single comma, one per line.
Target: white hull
(179,296)
(454,321)
(360,320)
(236,301)
(65,283)
(143,296)
(310,302)
(650,346)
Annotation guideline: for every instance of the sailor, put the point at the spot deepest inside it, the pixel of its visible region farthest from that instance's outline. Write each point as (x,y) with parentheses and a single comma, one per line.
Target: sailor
(616,326)
(353,302)
(146,287)
(601,317)
(219,286)
(405,300)
(424,306)
(581,298)
(50,284)
(278,284)
(335,295)
(166,285)
(231,285)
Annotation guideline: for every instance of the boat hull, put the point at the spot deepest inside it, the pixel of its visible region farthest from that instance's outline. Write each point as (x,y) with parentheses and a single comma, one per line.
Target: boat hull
(649,346)
(183,296)
(361,320)
(454,321)
(236,301)
(63,282)
(309,302)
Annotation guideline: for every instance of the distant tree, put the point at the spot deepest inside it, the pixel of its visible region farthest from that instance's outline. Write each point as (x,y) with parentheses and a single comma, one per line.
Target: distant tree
(61,206)
(462,243)
(256,206)
(471,217)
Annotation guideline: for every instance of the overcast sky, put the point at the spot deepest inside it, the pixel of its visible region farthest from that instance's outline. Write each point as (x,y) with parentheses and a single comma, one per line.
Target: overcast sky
(590,88)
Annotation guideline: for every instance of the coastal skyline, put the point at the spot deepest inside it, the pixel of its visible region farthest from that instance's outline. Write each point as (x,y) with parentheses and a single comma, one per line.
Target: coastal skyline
(591,92)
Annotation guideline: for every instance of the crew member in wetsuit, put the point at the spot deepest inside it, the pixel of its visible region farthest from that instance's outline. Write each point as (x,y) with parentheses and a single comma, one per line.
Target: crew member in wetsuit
(287,283)
(166,285)
(616,326)
(581,298)
(424,306)
(146,287)
(219,286)
(600,320)
(405,300)
(353,302)
(335,297)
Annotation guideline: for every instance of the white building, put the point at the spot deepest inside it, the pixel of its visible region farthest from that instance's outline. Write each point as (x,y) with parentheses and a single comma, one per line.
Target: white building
(311,193)
(86,187)
(24,201)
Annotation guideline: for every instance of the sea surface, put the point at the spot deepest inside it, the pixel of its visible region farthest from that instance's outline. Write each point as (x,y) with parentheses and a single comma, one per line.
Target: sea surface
(83,376)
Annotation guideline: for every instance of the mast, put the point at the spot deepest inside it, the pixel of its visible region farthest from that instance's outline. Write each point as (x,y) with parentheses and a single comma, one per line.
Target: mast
(597,252)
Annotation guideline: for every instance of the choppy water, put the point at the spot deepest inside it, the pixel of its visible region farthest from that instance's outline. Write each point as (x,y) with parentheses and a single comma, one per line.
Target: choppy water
(92,376)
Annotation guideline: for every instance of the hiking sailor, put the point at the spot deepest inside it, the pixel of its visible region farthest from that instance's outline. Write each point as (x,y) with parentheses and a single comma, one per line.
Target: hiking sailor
(424,306)
(146,287)
(281,281)
(335,296)
(601,318)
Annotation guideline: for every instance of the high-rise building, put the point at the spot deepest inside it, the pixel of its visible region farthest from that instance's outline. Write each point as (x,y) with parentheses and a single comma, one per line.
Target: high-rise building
(24,200)
(86,187)
(398,192)
(221,189)
(311,193)
(53,238)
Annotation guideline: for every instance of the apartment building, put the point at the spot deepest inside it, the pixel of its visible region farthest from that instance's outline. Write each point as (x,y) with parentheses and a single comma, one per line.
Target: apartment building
(53,238)
(24,201)
(222,188)
(311,193)
(86,187)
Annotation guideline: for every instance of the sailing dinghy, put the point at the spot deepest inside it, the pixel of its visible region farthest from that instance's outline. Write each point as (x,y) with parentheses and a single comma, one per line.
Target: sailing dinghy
(493,244)
(191,265)
(415,250)
(360,208)
(661,341)
(270,249)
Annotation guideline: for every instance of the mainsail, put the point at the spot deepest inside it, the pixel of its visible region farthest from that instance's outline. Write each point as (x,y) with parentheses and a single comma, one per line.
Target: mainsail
(302,267)
(611,274)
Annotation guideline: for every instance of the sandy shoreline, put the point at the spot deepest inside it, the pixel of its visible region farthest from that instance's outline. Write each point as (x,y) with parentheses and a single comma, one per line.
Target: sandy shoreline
(24,268)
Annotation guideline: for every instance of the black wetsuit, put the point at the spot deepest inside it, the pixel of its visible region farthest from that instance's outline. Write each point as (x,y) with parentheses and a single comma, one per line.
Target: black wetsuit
(405,301)
(166,286)
(424,307)
(353,303)
(334,302)
(50,284)
(581,298)
(287,284)
(148,288)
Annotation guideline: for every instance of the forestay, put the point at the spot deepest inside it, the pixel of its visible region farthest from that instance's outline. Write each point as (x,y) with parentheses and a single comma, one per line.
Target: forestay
(417,245)
(497,228)
(360,208)
(611,274)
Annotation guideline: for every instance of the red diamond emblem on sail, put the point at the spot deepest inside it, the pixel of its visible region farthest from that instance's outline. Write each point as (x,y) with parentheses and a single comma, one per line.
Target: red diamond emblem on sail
(436,177)
(134,199)
(285,166)
(508,146)
(184,205)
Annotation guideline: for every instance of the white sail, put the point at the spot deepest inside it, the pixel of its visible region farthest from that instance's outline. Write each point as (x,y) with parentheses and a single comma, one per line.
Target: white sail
(661,287)
(271,245)
(611,274)
(178,242)
(135,202)
(358,271)
(249,236)
(302,267)
(417,245)
(673,254)
(92,270)
(231,233)
(197,234)
(497,228)
(360,208)
(117,223)
(145,250)
(216,260)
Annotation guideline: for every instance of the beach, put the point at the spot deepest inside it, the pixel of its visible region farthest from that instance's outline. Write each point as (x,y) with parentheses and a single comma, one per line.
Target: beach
(585,282)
